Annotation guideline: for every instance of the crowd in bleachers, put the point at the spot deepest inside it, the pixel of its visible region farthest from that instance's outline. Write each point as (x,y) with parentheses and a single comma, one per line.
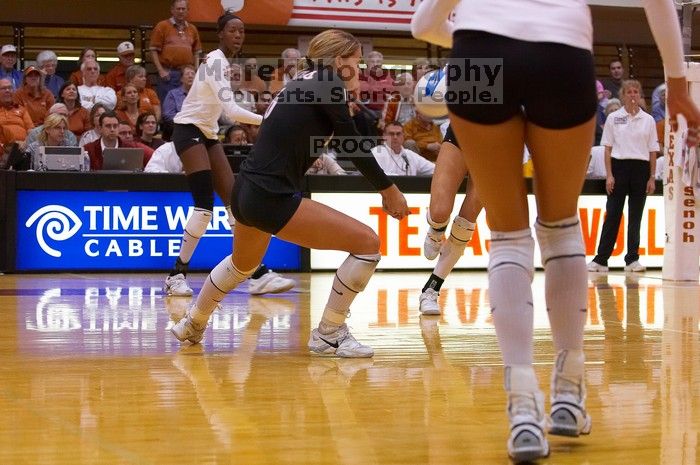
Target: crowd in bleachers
(147,106)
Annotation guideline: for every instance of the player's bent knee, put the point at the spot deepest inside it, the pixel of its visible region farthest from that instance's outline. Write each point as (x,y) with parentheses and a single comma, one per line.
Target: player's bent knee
(440,213)
(369,242)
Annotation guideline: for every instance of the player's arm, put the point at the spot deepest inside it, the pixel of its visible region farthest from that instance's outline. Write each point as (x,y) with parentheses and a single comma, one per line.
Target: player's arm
(221,86)
(663,21)
(431,22)
(332,96)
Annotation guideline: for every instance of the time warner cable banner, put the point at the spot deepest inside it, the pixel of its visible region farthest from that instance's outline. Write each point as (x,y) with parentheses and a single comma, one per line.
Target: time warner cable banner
(83,230)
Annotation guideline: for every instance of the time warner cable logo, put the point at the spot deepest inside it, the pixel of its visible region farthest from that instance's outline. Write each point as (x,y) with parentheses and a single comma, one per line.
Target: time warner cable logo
(54,221)
(117,230)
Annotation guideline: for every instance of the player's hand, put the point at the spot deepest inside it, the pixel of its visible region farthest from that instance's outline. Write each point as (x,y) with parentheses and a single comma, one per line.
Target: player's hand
(164,74)
(394,203)
(679,103)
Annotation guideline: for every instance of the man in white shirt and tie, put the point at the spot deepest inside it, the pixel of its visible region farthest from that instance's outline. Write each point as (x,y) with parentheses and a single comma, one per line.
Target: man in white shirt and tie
(396,160)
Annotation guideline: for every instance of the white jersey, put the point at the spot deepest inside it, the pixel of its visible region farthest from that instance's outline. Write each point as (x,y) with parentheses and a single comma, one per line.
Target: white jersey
(164,160)
(560,21)
(210,96)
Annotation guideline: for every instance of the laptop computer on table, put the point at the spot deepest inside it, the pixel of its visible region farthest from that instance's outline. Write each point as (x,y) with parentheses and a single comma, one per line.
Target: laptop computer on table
(127,159)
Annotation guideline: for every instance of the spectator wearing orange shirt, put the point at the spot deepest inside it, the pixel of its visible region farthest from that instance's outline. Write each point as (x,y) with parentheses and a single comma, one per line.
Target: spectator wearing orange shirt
(174,43)
(36,98)
(116,77)
(15,121)
(128,107)
(148,99)
(423,136)
(78,117)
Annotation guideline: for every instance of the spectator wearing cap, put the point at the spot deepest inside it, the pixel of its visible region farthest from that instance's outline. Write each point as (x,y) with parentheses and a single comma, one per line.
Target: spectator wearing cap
(8,60)
(174,44)
(116,77)
(90,91)
(69,139)
(78,117)
(47,61)
(34,96)
(15,121)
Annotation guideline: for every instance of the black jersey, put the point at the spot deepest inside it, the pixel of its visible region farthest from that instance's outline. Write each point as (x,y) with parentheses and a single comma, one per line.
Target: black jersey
(305,114)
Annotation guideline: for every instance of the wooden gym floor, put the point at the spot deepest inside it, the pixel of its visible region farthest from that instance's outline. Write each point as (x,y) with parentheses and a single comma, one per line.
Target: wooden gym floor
(89,374)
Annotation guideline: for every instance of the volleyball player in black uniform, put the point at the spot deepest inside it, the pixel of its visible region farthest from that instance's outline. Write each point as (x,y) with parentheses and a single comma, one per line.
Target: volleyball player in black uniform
(267,194)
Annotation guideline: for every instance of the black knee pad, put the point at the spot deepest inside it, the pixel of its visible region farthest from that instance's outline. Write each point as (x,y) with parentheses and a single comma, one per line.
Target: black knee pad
(202,188)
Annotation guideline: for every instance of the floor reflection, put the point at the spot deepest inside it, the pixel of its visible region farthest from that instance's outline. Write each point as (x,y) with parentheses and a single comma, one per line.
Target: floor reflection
(91,375)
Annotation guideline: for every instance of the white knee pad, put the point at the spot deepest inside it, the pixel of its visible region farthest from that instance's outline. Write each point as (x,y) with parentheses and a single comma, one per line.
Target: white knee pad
(225,276)
(561,239)
(197,224)
(462,230)
(229,217)
(356,270)
(513,248)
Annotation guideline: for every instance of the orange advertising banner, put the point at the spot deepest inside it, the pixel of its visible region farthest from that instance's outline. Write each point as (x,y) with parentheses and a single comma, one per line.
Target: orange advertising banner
(267,12)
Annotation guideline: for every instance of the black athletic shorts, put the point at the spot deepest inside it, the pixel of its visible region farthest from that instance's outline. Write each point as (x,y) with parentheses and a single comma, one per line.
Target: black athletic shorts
(552,84)
(450,137)
(189,135)
(254,206)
